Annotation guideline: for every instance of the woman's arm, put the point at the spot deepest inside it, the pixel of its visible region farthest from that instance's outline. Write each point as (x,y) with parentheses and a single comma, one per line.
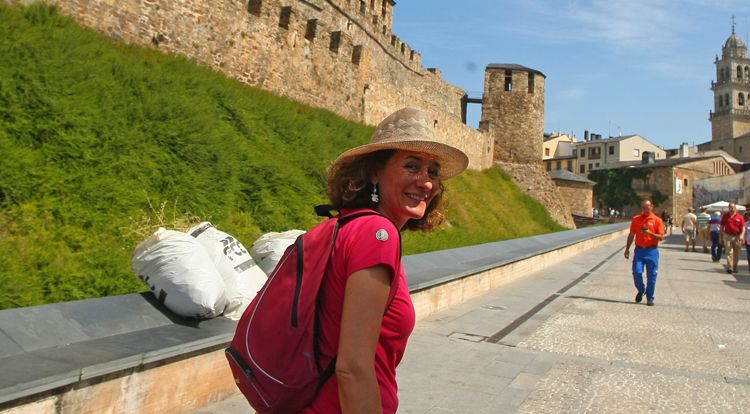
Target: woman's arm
(365,300)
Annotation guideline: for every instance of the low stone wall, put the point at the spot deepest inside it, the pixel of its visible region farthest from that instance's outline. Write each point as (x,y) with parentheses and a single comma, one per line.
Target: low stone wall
(437,298)
(181,385)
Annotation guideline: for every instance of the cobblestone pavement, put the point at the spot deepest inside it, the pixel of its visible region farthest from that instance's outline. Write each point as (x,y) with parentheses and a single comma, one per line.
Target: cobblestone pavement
(571,339)
(590,348)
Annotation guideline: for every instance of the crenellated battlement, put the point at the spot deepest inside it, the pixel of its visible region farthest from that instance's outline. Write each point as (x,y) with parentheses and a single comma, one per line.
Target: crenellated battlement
(341,55)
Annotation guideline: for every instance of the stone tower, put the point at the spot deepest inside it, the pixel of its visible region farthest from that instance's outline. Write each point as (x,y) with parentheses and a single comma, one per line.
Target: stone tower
(513,112)
(730,118)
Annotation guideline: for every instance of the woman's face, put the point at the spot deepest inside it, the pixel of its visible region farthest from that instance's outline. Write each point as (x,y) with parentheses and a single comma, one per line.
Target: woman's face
(407,184)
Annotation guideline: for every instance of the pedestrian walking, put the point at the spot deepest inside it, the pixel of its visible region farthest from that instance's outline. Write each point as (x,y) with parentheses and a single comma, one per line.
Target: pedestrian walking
(714,227)
(732,234)
(703,219)
(747,238)
(689,227)
(648,230)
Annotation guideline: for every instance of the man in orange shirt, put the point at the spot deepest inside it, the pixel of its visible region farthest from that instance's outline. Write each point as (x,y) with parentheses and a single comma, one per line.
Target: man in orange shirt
(648,230)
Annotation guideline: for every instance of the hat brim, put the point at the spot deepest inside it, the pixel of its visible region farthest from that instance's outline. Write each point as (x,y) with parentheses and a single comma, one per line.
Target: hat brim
(452,160)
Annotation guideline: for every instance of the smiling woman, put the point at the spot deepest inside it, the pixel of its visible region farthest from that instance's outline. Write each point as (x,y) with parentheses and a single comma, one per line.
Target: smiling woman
(366,314)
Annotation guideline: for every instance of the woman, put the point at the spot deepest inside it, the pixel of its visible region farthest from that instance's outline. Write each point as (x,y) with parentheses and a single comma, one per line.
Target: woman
(366,313)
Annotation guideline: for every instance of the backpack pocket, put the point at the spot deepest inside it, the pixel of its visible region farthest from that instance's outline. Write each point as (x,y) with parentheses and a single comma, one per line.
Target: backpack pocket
(245,380)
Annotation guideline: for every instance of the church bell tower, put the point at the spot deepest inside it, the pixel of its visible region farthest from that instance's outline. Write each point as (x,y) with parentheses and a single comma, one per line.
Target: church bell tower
(730,118)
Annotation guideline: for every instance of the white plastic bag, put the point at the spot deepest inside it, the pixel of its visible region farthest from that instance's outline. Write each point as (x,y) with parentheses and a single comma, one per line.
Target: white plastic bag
(242,277)
(180,273)
(269,248)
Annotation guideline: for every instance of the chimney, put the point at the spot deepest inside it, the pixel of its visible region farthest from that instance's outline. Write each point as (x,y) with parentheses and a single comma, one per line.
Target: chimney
(586,135)
(684,150)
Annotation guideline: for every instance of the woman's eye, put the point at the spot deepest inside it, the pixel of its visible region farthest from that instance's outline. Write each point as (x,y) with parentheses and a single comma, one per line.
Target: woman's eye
(413,167)
(433,172)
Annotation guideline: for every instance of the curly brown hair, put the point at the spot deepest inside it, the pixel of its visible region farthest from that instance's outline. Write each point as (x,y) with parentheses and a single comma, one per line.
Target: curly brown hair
(349,186)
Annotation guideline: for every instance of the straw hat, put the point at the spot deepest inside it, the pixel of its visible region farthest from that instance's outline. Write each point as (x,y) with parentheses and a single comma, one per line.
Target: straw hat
(408,129)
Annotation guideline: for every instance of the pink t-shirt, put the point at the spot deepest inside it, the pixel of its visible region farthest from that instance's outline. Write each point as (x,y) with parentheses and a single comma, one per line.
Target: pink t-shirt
(365,242)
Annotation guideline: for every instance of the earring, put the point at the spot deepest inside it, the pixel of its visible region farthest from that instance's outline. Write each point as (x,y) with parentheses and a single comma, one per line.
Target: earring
(374,196)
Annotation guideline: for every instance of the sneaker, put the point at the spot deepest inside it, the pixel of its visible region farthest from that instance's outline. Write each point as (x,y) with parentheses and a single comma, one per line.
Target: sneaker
(639,297)
(650,303)
(729,270)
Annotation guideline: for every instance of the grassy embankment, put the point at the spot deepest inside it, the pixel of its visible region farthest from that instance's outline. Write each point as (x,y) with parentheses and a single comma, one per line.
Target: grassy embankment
(101,143)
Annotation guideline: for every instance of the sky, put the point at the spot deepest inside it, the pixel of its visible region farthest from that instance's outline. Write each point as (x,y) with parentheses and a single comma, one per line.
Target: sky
(612,67)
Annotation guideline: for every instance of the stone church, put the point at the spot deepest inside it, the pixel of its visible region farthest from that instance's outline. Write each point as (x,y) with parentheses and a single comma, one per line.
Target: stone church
(730,118)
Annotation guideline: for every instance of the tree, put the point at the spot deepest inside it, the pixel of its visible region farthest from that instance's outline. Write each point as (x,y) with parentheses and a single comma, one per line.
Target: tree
(614,187)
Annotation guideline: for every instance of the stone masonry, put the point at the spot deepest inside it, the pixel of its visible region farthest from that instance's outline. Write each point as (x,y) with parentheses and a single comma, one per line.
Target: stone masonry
(513,112)
(532,179)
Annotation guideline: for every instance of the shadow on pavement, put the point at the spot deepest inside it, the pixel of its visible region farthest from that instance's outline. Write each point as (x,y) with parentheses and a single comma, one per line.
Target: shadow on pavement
(602,299)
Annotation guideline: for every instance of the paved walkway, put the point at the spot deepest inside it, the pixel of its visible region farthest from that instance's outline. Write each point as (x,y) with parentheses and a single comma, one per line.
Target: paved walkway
(571,339)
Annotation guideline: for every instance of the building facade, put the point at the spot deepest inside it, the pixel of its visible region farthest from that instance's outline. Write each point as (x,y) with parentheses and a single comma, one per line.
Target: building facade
(614,152)
(675,179)
(558,152)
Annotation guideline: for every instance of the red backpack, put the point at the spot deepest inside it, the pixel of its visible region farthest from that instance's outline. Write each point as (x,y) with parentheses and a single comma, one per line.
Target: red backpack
(273,355)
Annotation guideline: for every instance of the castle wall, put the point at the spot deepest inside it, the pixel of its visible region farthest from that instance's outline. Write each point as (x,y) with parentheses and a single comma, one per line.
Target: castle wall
(336,54)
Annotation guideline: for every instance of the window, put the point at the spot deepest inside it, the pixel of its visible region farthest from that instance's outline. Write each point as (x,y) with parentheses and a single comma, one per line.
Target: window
(721,101)
(569,165)
(636,152)
(546,152)
(747,72)
(575,152)
(357,54)
(549,165)
(685,184)
(741,99)
(285,17)
(583,152)
(558,164)
(254,7)
(726,99)
(739,72)
(508,81)
(611,150)
(335,42)
(590,167)
(312,26)
(362,7)
(740,148)
(531,82)
(582,168)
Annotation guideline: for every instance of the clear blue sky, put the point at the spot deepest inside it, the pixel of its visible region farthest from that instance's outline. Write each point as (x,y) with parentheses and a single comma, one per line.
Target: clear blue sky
(613,66)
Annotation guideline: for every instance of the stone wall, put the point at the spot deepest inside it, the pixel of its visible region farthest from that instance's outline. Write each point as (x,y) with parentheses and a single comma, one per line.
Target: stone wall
(577,196)
(336,54)
(532,179)
(513,112)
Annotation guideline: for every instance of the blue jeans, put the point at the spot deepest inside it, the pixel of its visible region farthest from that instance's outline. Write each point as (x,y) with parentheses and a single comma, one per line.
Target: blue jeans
(716,248)
(649,257)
